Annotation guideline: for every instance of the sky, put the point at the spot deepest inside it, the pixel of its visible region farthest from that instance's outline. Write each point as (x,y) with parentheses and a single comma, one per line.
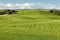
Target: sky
(29,4)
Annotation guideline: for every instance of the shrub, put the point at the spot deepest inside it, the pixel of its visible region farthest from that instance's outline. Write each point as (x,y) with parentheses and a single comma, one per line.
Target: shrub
(9,11)
(1,13)
(14,11)
(57,12)
(51,11)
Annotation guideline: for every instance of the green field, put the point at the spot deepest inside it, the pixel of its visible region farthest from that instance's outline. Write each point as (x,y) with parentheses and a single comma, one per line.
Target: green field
(30,25)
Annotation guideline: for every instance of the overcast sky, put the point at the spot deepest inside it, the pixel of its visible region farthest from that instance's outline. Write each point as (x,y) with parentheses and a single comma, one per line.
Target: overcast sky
(29,4)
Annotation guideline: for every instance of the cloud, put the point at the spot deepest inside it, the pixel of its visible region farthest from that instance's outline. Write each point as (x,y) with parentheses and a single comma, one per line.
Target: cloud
(8,5)
(28,6)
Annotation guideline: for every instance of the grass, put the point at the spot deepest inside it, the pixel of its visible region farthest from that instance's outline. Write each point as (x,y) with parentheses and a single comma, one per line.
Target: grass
(30,25)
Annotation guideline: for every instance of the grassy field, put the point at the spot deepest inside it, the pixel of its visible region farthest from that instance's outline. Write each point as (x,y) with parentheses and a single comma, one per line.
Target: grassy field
(30,25)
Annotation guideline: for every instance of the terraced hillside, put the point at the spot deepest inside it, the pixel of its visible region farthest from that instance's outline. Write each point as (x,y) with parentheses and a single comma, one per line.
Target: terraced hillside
(30,25)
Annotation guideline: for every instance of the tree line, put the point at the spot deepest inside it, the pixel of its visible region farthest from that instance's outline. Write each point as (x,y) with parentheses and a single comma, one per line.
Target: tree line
(7,12)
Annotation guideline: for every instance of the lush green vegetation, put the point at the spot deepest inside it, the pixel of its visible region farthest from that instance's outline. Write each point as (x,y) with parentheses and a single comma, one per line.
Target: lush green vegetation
(30,25)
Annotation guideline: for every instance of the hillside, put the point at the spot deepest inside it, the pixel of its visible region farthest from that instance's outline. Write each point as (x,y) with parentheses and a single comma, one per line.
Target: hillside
(30,25)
